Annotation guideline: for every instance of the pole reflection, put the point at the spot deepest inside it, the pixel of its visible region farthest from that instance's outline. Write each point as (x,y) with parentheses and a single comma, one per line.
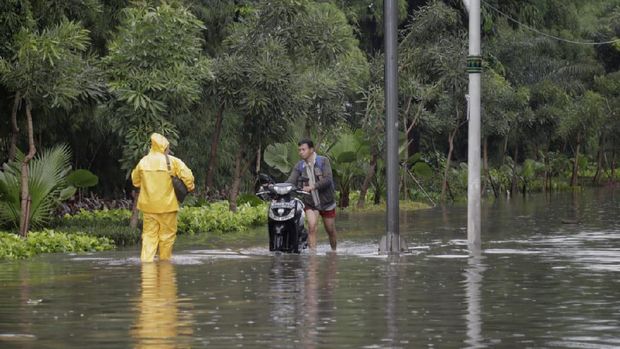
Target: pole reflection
(391,306)
(159,324)
(473,281)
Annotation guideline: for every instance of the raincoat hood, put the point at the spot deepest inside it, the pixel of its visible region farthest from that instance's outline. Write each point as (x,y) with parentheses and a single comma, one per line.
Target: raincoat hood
(159,143)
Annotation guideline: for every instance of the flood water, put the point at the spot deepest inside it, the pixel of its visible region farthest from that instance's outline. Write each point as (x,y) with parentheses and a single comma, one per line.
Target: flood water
(549,276)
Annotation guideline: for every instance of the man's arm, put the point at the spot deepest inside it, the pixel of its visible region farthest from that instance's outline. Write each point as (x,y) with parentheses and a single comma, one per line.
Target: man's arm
(294,176)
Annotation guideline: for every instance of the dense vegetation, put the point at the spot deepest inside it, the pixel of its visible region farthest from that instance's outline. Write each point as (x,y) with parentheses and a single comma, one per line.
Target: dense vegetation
(49,241)
(234,84)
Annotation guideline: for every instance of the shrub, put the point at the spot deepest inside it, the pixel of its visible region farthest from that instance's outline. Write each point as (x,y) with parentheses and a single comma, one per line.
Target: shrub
(13,247)
(217,218)
(111,224)
(84,217)
(47,186)
(251,199)
(49,241)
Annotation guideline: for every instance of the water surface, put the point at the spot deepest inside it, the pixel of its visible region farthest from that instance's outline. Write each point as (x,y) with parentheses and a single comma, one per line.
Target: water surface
(549,276)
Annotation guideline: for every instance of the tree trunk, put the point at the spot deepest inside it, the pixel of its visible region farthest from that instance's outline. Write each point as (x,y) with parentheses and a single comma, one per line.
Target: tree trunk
(258,159)
(485,152)
(234,190)
(25,193)
(546,174)
(573,180)
(361,202)
(344,196)
(14,127)
(504,150)
(444,186)
(377,197)
(215,141)
(513,186)
(613,167)
(599,162)
(135,214)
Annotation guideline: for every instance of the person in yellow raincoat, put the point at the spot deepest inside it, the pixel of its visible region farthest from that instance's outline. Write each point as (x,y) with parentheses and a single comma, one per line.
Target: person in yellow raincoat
(157,200)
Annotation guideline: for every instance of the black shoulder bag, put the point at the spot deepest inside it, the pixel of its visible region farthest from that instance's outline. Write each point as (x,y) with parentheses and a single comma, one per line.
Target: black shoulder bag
(180,190)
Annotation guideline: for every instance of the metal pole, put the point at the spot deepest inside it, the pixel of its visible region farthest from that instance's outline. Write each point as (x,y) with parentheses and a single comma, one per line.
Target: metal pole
(474,68)
(392,239)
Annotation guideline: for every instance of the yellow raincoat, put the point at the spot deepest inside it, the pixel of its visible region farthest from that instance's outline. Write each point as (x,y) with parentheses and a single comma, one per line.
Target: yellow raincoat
(157,200)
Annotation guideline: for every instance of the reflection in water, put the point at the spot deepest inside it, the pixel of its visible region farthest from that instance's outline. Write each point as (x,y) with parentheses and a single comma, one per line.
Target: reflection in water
(301,290)
(473,279)
(310,304)
(391,305)
(285,280)
(159,324)
(317,303)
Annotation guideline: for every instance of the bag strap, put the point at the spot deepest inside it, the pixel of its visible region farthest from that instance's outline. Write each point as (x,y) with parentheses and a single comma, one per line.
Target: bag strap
(319,161)
(168,164)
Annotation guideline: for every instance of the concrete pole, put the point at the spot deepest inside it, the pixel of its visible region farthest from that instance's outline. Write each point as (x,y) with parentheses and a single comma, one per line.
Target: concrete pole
(391,243)
(474,68)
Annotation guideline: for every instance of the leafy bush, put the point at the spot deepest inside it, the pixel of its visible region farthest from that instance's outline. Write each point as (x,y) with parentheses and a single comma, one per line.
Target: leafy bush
(121,235)
(251,199)
(49,241)
(111,224)
(84,217)
(13,247)
(217,218)
(47,184)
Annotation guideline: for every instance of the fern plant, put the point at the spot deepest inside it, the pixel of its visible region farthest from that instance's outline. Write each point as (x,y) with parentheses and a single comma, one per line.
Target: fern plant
(47,184)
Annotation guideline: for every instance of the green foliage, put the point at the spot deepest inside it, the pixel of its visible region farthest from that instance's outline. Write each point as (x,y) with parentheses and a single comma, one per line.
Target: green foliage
(582,116)
(250,199)
(295,68)
(113,217)
(217,218)
(47,186)
(14,15)
(13,247)
(347,154)
(49,67)
(531,169)
(111,224)
(49,241)
(155,70)
(82,179)
(281,156)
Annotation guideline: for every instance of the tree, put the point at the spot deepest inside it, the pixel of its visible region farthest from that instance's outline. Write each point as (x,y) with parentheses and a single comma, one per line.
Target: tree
(48,185)
(609,135)
(580,122)
(49,70)
(289,60)
(504,106)
(155,70)
(373,124)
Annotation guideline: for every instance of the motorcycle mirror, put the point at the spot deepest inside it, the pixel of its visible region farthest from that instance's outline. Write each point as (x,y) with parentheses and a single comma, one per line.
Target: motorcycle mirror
(304,178)
(265,178)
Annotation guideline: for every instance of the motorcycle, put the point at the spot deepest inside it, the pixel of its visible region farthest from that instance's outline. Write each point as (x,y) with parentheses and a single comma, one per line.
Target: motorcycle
(286,216)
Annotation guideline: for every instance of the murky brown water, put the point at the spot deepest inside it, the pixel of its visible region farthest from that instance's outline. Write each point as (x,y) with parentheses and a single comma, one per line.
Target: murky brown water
(539,283)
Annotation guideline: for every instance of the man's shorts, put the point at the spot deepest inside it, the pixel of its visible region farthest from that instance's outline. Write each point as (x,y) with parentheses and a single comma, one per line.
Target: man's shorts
(325,214)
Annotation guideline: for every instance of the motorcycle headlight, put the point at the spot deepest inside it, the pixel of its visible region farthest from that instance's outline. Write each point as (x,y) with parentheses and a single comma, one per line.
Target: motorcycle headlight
(282,190)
